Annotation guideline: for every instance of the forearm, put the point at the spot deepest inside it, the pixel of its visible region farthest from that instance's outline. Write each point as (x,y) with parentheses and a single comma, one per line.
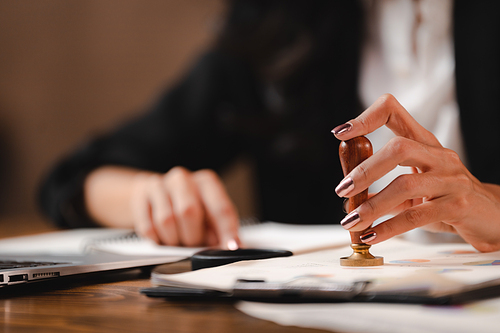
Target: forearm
(107,195)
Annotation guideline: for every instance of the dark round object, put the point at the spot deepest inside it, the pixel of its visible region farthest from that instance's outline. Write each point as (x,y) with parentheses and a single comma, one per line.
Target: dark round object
(214,258)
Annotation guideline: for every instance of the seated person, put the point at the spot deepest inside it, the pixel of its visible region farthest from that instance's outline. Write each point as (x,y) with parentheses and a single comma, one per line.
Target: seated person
(280,75)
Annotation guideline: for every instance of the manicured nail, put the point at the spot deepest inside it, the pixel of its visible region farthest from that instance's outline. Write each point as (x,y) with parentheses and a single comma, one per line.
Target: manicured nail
(350,220)
(345,206)
(344,187)
(368,237)
(341,129)
(232,245)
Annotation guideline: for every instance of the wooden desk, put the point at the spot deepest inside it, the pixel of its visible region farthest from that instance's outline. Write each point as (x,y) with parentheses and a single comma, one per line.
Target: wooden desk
(112,303)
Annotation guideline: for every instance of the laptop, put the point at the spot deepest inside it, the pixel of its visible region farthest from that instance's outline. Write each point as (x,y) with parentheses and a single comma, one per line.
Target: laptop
(69,253)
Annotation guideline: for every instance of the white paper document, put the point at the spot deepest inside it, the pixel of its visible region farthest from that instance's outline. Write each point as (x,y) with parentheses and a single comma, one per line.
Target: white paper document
(293,237)
(481,317)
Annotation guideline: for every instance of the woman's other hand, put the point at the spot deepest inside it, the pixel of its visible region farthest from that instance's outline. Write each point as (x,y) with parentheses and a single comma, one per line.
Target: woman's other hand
(179,207)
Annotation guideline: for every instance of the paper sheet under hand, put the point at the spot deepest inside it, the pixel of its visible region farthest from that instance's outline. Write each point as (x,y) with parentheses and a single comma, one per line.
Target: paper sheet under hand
(461,264)
(293,237)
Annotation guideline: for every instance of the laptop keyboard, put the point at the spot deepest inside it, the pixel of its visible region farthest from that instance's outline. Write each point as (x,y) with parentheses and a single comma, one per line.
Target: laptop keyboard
(9,264)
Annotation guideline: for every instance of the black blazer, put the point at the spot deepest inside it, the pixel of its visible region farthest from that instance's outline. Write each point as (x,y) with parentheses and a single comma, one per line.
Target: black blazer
(477,57)
(222,110)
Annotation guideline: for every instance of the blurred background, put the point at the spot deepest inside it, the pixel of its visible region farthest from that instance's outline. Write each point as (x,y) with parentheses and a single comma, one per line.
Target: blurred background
(70,69)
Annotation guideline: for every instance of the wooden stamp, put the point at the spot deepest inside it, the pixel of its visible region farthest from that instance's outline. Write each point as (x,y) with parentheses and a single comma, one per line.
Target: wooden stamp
(353,152)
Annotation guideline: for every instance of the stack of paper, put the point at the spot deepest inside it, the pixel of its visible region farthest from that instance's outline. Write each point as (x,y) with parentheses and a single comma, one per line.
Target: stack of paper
(430,270)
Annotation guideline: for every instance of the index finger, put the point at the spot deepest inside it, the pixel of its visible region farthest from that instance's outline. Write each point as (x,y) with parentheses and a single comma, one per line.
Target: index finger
(389,112)
(219,208)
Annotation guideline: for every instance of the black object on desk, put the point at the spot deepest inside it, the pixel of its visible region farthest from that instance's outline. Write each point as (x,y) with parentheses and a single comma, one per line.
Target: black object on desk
(214,258)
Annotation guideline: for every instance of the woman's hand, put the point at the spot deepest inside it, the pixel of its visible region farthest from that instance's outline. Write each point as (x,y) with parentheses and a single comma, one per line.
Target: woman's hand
(441,195)
(176,208)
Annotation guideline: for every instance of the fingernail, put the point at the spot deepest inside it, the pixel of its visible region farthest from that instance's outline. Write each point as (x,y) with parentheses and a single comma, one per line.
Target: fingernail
(368,237)
(350,220)
(232,244)
(344,187)
(341,129)
(345,205)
